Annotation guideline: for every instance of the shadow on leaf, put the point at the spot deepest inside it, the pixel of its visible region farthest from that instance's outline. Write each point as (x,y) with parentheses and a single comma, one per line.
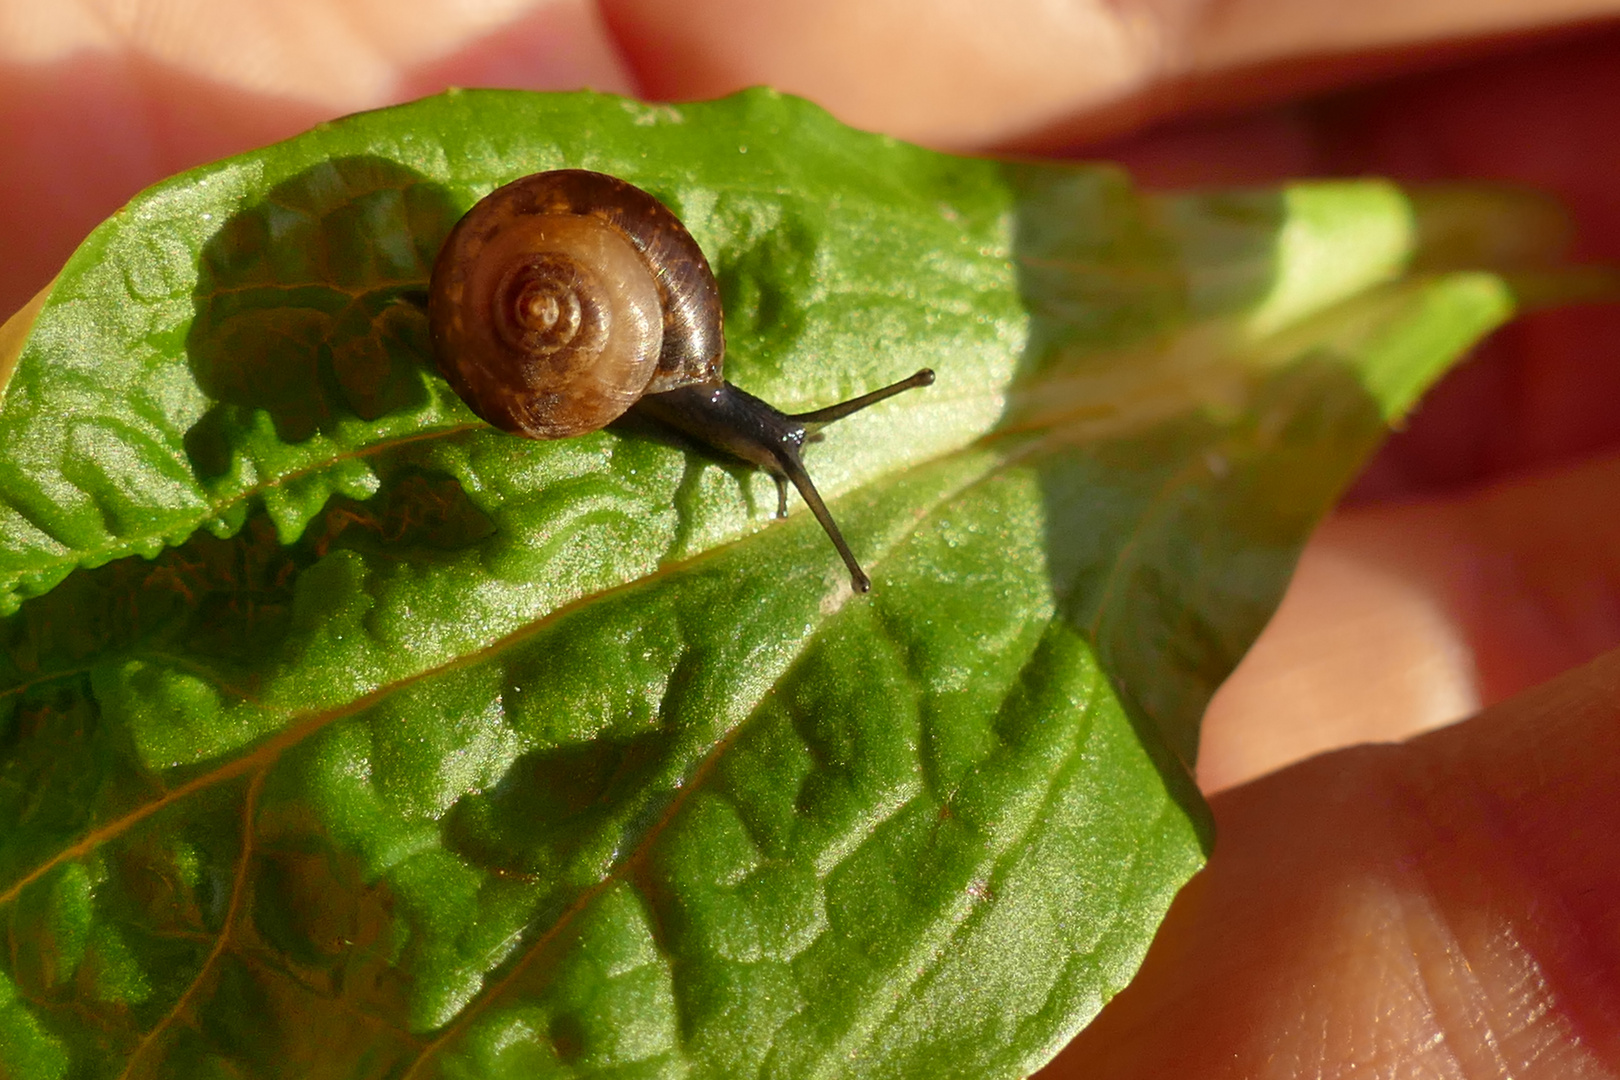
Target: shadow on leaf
(1170,522)
(551,803)
(298,303)
(216,608)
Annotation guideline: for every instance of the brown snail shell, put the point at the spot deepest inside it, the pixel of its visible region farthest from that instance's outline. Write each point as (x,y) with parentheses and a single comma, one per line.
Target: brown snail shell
(561,298)
(566,298)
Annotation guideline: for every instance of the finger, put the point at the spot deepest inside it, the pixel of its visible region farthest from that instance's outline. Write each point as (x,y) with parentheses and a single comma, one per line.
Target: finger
(965,74)
(99,100)
(1440,908)
(1404,618)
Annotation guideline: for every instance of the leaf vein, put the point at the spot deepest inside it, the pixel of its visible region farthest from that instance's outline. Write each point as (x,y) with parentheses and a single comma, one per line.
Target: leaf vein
(233,910)
(298,730)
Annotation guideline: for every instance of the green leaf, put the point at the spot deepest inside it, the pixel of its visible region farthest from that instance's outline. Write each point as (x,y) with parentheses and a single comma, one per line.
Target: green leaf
(415,749)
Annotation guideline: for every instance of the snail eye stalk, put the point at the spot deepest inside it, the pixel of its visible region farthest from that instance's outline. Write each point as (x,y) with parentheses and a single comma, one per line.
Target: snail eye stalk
(816,419)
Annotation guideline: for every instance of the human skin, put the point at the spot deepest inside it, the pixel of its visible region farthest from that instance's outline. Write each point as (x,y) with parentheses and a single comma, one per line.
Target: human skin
(1439,906)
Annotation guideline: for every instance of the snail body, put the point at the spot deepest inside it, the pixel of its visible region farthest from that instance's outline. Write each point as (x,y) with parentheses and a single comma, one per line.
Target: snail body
(565,299)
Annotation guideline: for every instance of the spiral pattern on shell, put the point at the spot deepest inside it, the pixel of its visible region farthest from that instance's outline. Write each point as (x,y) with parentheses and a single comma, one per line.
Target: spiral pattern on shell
(550,303)
(563,297)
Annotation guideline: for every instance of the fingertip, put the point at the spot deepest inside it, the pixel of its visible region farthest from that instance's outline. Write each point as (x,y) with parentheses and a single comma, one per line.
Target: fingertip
(1431,908)
(1404,618)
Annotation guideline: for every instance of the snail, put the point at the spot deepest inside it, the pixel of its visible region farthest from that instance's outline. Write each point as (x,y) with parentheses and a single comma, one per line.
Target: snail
(566,299)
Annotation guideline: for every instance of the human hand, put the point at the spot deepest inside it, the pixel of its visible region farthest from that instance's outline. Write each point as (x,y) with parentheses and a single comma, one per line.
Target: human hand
(1434,907)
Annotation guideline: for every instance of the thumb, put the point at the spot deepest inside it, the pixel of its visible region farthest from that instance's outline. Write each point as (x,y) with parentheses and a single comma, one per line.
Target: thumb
(1440,907)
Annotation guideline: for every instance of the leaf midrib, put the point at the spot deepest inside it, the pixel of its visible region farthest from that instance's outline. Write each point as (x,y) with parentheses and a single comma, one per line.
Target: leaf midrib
(296,732)
(259,761)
